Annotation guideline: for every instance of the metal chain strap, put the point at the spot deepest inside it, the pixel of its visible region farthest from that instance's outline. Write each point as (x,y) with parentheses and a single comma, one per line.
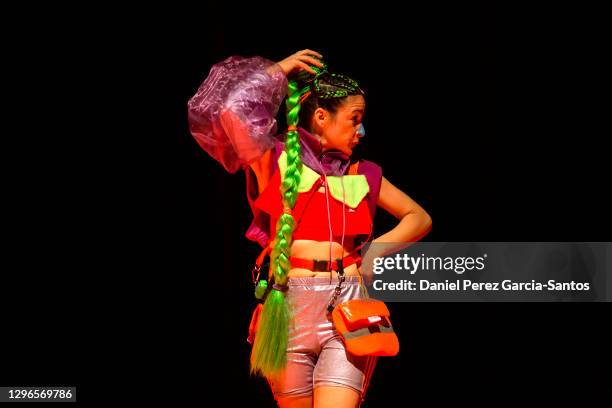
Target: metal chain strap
(338,289)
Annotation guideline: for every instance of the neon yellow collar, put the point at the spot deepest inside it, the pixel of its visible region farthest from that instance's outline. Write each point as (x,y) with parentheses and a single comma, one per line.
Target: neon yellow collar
(355,186)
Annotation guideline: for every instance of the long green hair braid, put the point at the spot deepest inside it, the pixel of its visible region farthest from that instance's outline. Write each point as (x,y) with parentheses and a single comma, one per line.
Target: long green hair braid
(269,355)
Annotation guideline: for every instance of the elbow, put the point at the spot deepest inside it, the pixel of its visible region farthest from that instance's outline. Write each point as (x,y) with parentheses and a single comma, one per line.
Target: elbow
(420,225)
(426,223)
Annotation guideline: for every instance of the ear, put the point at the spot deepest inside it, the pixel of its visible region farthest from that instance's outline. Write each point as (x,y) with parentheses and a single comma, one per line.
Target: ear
(320,117)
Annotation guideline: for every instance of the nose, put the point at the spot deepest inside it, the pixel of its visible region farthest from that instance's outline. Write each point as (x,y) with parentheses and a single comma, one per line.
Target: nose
(361,131)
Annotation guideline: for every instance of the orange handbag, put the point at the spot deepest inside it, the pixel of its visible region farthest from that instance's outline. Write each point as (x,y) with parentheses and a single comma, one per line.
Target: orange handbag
(365,327)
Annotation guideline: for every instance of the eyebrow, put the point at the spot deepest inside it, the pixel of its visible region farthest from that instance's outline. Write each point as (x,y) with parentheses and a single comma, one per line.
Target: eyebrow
(357,110)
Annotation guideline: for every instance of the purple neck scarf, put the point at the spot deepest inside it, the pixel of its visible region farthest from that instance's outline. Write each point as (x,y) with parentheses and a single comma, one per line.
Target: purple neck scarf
(332,162)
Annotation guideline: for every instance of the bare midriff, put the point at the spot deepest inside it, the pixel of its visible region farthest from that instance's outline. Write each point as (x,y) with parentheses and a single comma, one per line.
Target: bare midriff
(308,249)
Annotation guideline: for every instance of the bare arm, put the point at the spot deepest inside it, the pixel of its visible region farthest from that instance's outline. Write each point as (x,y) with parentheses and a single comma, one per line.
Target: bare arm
(414,224)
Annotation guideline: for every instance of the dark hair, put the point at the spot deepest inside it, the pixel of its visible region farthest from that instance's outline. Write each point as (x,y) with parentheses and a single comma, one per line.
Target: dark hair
(329,92)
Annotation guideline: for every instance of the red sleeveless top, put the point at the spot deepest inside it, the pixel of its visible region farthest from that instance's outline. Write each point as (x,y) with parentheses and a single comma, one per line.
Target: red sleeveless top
(310,213)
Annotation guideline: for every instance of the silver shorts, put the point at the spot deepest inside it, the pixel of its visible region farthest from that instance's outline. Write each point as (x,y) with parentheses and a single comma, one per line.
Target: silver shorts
(316,355)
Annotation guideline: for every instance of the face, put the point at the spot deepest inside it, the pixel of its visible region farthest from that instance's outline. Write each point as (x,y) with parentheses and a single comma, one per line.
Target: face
(339,131)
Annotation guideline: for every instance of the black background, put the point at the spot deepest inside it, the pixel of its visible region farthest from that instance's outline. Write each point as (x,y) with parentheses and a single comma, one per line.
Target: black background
(120,226)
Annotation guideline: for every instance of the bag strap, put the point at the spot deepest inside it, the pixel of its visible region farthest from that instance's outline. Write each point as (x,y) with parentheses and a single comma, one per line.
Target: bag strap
(259,262)
(353,168)
(352,171)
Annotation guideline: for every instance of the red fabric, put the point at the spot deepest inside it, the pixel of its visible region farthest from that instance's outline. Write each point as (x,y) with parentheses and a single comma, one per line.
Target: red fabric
(310,212)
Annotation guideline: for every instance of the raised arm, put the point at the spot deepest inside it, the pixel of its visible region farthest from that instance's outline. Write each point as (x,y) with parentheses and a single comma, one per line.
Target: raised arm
(232,115)
(262,167)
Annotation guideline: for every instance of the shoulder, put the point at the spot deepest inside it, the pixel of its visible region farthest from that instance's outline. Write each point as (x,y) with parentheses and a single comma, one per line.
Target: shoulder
(373,174)
(369,169)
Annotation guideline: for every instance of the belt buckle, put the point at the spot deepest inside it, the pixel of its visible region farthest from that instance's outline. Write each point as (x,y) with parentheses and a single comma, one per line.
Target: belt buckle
(319,266)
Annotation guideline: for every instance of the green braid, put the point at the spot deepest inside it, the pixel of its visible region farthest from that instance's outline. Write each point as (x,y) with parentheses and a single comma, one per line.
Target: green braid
(269,351)
(269,355)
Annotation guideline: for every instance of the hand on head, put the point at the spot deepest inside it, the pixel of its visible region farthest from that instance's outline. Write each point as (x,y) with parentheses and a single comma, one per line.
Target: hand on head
(300,61)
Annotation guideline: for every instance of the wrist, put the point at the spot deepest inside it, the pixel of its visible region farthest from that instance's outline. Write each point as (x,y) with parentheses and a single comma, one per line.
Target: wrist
(274,68)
